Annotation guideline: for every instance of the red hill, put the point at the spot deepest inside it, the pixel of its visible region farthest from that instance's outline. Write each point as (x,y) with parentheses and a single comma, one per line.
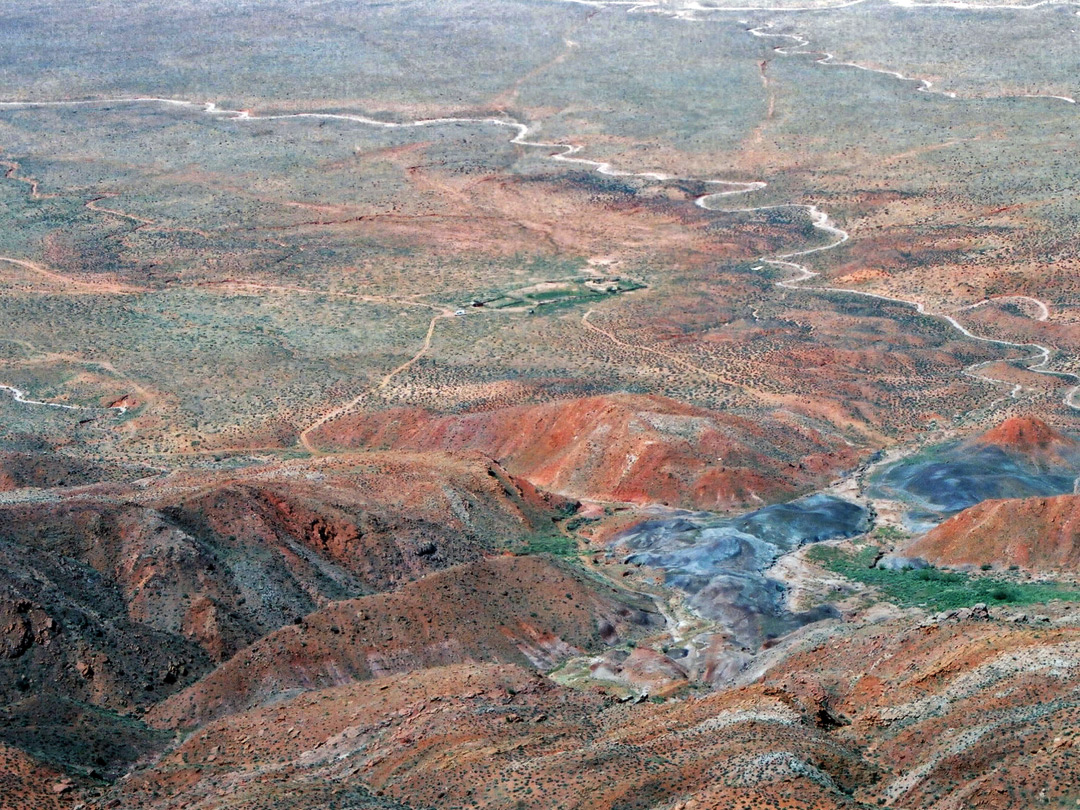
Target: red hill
(1041,534)
(639,449)
(1029,436)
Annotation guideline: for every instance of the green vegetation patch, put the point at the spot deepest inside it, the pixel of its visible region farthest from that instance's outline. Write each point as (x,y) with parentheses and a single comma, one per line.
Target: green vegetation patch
(557,545)
(932,587)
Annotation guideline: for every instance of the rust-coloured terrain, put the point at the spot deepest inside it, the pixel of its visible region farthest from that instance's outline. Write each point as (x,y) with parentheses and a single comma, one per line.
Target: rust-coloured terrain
(1030,437)
(818,730)
(636,449)
(663,405)
(28,784)
(1037,534)
(518,610)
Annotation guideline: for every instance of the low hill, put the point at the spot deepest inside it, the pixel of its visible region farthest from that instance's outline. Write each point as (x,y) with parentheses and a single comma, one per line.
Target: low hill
(525,610)
(500,736)
(222,559)
(633,448)
(966,710)
(1030,437)
(1038,534)
(1020,458)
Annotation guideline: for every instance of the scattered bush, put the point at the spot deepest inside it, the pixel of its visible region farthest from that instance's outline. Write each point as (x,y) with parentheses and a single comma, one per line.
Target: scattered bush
(557,545)
(932,587)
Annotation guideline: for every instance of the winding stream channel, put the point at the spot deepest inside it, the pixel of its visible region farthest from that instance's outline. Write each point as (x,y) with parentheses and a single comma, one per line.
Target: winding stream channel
(721,564)
(21,397)
(569,153)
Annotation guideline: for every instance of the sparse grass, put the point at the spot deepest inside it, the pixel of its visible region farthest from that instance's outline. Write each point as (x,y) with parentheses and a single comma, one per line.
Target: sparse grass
(932,587)
(566,299)
(890,534)
(550,295)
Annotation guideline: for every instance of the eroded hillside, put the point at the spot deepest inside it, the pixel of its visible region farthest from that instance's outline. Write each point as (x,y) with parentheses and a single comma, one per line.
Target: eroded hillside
(649,406)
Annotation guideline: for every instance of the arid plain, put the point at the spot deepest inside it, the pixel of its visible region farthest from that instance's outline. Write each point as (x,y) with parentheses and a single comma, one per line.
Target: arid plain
(533,404)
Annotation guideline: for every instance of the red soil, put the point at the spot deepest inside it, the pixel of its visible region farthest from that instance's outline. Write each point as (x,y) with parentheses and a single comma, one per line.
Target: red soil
(959,712)
(1029,436)
(502,737)
(119,603)
(1039,534)
(523,610)
(26,784)
(637,449)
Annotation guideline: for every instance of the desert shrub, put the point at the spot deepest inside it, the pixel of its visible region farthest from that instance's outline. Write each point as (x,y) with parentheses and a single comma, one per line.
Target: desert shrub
(931,587)
(556,544)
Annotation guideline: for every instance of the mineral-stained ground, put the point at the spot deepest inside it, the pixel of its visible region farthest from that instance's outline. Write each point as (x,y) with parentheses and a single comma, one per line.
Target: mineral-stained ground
(539,404)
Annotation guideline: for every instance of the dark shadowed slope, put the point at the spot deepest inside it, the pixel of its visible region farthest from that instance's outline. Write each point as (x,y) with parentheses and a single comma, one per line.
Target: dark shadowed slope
(524,610)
